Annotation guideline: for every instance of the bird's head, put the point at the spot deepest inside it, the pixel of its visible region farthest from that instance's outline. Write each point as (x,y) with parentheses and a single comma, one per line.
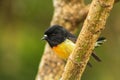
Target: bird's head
(55,35)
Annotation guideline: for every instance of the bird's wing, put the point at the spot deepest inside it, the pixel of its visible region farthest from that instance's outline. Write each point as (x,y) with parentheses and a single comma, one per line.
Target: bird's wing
(71,37)
(74,38)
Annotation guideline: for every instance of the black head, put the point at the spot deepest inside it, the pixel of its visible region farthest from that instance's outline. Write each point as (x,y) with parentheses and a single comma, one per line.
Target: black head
(55,35)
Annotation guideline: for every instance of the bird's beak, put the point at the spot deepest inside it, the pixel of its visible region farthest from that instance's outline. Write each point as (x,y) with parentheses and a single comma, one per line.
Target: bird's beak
(44,37)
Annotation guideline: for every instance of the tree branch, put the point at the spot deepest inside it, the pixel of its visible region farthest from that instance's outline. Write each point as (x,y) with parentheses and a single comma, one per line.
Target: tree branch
(68,13)
(93,25)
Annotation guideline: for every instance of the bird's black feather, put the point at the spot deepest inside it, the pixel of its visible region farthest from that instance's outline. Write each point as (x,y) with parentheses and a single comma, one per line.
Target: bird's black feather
(57,34)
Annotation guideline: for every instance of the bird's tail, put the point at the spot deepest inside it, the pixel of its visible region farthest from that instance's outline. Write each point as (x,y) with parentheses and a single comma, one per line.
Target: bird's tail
(100,41)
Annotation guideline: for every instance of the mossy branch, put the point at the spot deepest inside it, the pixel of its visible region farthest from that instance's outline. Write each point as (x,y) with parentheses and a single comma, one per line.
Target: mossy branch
(93,25)
(70,13)
(67,13)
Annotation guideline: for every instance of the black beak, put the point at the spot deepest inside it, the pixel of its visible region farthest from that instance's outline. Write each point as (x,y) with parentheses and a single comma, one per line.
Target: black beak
(44,37)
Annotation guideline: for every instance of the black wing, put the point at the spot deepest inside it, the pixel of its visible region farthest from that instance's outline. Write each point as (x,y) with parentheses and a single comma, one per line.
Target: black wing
(71,37)
(74,38)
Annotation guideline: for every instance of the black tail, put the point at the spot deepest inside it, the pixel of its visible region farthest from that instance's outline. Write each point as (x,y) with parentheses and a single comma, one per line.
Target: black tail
(100,41)
(96,57)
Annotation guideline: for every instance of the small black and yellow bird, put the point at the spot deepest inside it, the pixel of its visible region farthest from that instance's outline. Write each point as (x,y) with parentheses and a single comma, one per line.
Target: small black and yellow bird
(62,41)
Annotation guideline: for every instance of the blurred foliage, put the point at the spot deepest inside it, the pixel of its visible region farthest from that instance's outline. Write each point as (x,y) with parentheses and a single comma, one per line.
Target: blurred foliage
(22,23)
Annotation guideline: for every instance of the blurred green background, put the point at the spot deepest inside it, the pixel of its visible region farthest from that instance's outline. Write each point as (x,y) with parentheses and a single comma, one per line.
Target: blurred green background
(22,23)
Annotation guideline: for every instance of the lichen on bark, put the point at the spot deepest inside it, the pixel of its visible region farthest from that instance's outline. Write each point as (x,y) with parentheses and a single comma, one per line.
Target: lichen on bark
(70,13)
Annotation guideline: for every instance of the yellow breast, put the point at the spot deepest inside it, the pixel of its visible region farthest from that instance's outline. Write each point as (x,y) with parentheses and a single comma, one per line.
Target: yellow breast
(64,49)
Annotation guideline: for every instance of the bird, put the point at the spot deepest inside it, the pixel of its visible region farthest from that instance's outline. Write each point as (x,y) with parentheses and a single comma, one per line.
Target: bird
(62,41)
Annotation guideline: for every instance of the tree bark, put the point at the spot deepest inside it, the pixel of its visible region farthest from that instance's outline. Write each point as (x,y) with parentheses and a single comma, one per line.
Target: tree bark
(93,25)
(67,13)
